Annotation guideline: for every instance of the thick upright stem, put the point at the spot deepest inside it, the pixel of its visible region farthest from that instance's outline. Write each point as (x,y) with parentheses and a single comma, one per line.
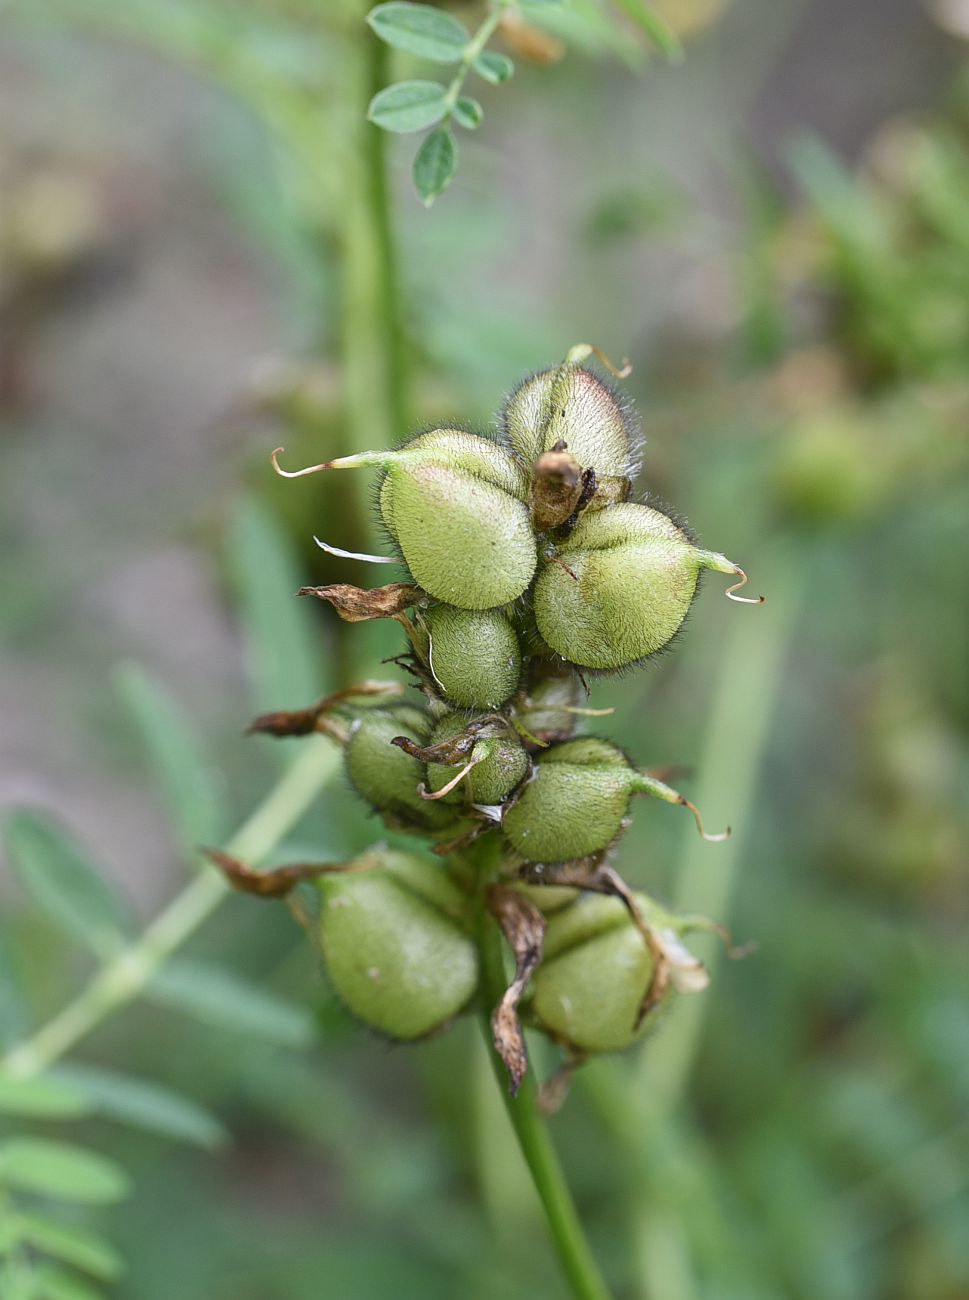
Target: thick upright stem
(564,1224)
(127,974)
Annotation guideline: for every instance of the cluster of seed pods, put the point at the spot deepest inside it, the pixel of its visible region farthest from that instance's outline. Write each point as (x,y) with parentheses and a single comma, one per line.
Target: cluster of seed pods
(529,568)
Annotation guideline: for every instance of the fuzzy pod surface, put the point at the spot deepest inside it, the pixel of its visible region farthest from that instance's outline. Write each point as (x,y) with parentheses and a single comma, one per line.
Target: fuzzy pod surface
(503,765)
(395,945)
(571,405)
(632,575)
(387,777)
(594,971)
(575,803)
(457,506)
(474,655)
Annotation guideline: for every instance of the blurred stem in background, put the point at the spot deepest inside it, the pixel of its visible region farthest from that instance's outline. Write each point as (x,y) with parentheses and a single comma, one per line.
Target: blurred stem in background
(124,977)
(647,1099)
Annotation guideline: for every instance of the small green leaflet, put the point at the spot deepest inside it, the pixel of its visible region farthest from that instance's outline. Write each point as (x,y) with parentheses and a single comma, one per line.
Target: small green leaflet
(63,884)
(42,1098)
(61,1170)
(408,106)
(419,29)
(71,1245)
(468,113)
(143,1104)
(219,997)
(496,68)
(185,779)
(435,165)
(49,1283)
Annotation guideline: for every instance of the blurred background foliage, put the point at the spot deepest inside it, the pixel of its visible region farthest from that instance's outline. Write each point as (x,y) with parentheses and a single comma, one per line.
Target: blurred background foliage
(776,232)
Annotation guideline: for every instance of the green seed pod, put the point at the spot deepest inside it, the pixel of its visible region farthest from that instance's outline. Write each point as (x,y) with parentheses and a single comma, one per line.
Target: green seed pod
(474,655)
(569,405)
(630,576)
(548,711)
(577,801)
(396,945)
(595,968)
(386,776)
(500,765)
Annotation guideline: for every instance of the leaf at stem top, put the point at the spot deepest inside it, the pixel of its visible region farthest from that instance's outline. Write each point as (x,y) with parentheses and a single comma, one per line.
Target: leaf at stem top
(435,165)
(59,878)
(494,67)
(421,30)
(408,106)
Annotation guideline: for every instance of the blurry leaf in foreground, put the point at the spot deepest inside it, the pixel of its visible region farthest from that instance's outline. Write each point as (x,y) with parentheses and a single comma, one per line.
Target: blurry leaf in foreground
(60,1170)
(49,1283)
(654,26)
(421,30)
(144,1105)
(220,997)
(14,1019)
(43,1098)
(435,165)
(71,1245)
(63,884)
(184,778)
(282,647)
(408,106)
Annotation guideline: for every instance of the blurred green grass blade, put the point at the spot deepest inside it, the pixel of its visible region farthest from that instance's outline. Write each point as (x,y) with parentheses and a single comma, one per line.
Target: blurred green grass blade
(43,1098)
(144,1105)
(63,883)
(50,1283)
(61,1170)
(219,997)
(283,652)
(14,1017)
(651,24)
(71,1245)
(184,778)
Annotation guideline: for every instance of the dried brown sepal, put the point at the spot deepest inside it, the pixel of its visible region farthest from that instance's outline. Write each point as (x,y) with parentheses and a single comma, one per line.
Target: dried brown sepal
(591,874)
(455,750)
(557,484)
(523,926)
(357,604)
(304,722)
(276,883)
(555,1089)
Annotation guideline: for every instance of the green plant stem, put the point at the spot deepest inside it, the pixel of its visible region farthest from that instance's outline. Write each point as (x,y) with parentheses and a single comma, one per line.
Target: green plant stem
(127,974)
(471,51)
(563,1220)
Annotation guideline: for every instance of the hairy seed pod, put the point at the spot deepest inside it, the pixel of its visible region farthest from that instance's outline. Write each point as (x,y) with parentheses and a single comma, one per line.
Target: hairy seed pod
(456,504)
(629,577)
(577,801)
(396,945)
(474,655)
(500,765)
(570,405)
(595,967)
(386,776)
